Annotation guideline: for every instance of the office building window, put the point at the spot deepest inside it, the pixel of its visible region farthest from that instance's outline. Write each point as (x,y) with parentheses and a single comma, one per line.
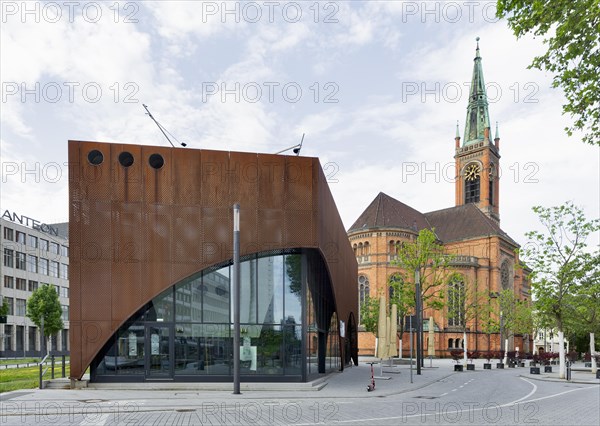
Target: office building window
(43,244)
(32,263)
(57,289)
(43,266)
(8,257)
(64,271)
(54,248)
(9,282)
(65,338)
(64,291)
(11,308)
(20,260)
(8,234)
(32,241)
(20,237)
(33,285)
(65,312)
(53,269)
(64,251)
(21,284)
(21,307)
(8,331)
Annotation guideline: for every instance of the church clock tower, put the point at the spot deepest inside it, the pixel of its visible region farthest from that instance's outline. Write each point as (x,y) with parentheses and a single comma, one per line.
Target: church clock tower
(477,157)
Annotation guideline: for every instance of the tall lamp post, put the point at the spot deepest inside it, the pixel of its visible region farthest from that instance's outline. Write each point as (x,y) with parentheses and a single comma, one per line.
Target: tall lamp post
(419,320)
(236,299)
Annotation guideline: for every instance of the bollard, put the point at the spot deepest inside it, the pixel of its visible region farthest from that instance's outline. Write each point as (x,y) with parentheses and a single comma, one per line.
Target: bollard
(568,372)
(52,363)
(63,365)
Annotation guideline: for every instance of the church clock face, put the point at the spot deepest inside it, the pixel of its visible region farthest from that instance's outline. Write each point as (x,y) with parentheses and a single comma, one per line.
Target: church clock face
(472,172)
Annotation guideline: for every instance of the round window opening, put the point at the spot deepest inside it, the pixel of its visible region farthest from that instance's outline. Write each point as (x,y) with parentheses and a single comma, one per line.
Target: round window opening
(156,161)
(95,157)
(126,159)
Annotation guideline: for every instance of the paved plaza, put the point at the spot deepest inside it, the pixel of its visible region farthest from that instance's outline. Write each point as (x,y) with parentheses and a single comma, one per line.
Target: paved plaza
(438,396)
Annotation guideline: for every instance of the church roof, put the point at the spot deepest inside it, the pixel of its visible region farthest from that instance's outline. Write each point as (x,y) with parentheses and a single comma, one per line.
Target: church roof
(451,224)
(464,222)
(387,212)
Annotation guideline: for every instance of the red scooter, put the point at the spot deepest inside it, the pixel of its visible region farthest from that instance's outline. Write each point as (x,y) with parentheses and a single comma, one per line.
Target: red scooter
(371,386)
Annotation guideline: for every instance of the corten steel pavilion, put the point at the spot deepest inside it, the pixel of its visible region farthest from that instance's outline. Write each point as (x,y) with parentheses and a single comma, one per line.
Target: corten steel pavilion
(151,253)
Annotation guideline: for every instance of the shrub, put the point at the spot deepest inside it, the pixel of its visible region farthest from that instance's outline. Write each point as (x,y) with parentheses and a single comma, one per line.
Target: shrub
(472,355)
(456,355)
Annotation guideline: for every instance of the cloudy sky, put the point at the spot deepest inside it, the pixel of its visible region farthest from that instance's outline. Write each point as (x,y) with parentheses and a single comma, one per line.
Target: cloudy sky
(377,87)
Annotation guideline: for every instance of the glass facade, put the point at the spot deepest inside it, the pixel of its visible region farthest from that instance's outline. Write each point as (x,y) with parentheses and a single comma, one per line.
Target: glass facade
(186,332)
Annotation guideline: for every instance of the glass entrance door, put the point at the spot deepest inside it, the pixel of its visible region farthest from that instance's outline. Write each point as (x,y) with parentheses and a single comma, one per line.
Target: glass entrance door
(159,352)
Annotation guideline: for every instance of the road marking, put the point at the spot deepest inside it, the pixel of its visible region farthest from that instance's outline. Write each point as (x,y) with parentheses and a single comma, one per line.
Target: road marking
(101,421)
(444,394)
(454,390)
(461,386)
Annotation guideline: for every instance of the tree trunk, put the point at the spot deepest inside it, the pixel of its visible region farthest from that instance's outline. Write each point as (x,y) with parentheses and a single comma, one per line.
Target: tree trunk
(592,352)
(561,355)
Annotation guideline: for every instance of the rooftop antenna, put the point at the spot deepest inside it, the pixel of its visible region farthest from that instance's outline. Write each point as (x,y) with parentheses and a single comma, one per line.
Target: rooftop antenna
(296,148)
(162,129)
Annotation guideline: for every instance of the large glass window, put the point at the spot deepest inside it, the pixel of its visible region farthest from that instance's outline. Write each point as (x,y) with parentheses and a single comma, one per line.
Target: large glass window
(8,257)
(187,329)
(20,237)
(32,241)
(43,244)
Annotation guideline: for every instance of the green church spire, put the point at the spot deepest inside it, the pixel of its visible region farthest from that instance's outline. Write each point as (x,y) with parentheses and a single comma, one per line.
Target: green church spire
(478,119)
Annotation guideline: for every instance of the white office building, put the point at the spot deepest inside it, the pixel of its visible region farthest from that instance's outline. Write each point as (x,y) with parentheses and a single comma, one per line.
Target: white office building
(33,254)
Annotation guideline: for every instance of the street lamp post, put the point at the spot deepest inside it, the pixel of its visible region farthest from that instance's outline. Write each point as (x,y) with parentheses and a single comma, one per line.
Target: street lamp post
(501,331)
(236,299)
(418,318)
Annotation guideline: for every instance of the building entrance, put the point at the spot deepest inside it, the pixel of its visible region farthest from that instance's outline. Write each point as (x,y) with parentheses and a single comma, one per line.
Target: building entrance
(159,351)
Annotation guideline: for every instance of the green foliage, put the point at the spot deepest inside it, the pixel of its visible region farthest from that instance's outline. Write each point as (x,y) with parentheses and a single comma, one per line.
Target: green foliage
(571,29)
(44,303)
(369,314)
(426,255)
(4,308)
(564,274)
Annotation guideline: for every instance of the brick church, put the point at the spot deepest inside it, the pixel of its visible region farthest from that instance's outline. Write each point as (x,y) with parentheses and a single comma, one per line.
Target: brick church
(484,255)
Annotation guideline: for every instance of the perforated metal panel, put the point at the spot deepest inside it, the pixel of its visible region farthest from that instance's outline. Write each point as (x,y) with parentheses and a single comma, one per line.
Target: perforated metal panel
(136,230)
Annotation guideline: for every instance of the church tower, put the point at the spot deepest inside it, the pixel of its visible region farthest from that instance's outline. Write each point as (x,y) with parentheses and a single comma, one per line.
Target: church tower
(477,157)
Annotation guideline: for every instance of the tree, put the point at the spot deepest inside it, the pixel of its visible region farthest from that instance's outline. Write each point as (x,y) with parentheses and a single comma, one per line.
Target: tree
(402,294)
(4,309)
(572,28)
(369,314)
(560,261)
(424,264)
(43,307)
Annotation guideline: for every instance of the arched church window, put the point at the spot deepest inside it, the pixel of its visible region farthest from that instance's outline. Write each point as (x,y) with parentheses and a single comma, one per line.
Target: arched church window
(505,275)
(456,301)
(363,288)
(472,175)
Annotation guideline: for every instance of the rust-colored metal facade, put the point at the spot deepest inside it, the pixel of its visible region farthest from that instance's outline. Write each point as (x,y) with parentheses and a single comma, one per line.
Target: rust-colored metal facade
(137,230)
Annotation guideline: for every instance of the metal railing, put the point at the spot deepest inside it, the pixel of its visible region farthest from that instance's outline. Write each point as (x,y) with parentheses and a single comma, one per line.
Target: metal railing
(50,367)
